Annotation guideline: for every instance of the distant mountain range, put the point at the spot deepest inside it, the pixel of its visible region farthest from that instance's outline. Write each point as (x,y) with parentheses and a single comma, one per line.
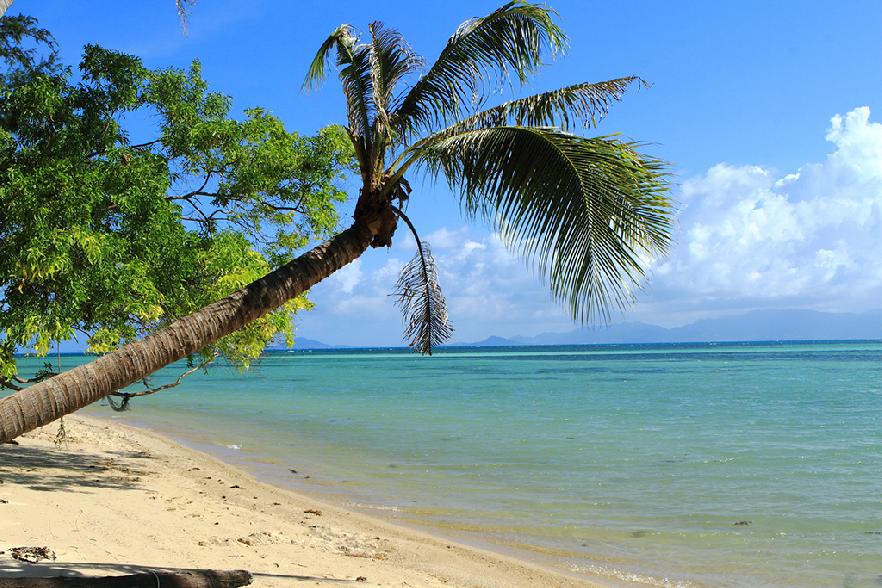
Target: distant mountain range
(758,325)
(304,343)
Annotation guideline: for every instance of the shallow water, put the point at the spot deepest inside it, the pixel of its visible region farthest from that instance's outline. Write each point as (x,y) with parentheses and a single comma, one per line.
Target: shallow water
(709,465)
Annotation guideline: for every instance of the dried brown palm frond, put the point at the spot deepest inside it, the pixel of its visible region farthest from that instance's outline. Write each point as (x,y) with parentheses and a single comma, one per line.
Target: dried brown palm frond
(422,302)
(183,7)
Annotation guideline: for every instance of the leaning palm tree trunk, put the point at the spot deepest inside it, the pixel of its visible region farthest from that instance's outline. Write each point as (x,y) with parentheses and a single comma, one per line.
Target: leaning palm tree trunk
(72,390)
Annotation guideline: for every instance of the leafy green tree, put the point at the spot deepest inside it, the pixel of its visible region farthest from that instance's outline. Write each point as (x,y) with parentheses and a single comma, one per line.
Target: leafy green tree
(106,238)
(587,210)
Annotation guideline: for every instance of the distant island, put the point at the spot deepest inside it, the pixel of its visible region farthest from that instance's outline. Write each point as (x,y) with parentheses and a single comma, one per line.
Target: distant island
(758,325)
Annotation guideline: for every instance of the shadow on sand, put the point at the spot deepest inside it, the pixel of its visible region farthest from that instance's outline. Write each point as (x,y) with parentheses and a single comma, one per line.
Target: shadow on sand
(66,469)
(45,469)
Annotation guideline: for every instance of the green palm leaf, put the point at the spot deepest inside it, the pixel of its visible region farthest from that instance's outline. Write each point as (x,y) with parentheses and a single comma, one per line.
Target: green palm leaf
(391,59)
(480,52)
(342,40)
(585,103)
(356,77)
(587,211)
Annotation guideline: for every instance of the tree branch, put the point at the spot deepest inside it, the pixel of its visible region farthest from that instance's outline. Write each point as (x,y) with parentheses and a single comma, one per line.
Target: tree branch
(126,396)
(10,386)
(103,150)
(197,192)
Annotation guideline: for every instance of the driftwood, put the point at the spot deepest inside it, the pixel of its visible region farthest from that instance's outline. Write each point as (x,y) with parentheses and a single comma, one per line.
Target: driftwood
(182,579)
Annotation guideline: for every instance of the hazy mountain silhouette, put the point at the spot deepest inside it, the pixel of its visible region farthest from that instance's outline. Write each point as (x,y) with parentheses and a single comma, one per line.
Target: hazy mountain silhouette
(758,325)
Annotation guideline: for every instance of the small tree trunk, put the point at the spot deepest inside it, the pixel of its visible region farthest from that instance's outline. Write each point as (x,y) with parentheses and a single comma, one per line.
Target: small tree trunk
(185,579)
(4,6)
(65,393)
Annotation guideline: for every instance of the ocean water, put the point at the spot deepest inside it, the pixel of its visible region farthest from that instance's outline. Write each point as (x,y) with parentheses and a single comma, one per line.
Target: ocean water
(730,465)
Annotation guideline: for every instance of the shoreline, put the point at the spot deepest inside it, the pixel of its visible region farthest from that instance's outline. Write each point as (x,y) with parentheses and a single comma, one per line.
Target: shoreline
(84,499)
(309,483)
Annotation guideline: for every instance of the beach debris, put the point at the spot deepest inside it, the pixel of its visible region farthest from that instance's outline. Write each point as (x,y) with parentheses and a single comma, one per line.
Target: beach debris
(293,471)
(149,579)
(361,579)
(61,435)
(742,523)
(257,538)
(32,554)
(313,511)
(2,501)
(235,486)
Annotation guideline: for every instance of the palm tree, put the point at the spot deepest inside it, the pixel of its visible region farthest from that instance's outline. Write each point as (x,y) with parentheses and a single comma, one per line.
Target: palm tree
(587,211)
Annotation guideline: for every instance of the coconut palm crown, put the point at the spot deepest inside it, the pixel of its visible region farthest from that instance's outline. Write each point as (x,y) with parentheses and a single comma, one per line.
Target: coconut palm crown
(588,211)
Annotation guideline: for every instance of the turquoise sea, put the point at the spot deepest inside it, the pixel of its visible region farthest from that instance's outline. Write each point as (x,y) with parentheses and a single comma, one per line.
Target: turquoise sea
(732,465)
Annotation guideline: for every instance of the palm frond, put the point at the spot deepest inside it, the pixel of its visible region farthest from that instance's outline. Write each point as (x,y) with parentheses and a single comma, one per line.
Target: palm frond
(583,104)
(342,40)
(588,211)
(354,65)
(422,302)
(482,51)
(183,7)
(392,59)
(356,78)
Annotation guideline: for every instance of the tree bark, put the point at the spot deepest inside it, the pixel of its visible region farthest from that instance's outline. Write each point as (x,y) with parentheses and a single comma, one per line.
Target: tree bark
(185,579)
(4,6)
(67,392)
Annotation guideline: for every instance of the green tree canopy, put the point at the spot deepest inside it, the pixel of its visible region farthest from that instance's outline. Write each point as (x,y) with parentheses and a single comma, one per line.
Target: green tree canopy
(130,197)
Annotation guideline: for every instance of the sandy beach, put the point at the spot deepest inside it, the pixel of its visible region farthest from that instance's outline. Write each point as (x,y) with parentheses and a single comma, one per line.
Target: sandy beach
(113,499)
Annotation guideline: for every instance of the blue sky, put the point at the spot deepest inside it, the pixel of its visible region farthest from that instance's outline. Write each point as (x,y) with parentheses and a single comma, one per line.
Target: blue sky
(767,110)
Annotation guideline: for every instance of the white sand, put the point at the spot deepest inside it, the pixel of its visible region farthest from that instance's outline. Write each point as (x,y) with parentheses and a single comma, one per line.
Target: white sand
(115,499)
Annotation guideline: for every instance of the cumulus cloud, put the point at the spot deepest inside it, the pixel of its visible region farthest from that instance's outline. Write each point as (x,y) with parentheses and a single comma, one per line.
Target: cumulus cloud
(808,237)
(346,279)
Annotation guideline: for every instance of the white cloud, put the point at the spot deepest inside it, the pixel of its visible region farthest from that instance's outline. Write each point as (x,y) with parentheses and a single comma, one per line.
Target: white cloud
(446,238)
(811,236)
(347,278)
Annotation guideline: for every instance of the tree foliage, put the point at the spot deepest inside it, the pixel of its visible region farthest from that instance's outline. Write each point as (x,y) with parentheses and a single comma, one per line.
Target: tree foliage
(131,196)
